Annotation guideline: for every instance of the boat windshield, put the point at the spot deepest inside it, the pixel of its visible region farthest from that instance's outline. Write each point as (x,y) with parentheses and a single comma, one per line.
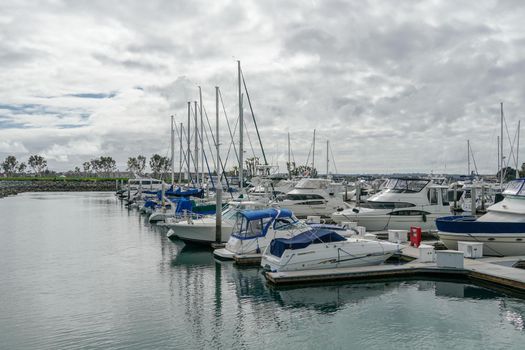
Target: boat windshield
(406,185)
(514,188)
(250,229)
(312,183)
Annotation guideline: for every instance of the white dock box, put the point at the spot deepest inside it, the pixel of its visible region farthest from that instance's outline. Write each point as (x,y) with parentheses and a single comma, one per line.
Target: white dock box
(472,250)
(449,258)
(397,236)
(427,253)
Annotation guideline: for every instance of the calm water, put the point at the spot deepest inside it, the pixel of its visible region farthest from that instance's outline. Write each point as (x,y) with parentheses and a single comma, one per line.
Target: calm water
(77,270)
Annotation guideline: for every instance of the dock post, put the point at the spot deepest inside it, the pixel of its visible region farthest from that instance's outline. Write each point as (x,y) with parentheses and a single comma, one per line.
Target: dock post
(358,194)
(455,198)
(483,198)
(162,195)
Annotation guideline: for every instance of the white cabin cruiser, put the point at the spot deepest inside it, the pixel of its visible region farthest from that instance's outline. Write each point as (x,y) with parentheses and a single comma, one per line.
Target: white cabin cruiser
(501,229)
(314,197)
(324,249)
(202,230)
(404,202)
(254,230)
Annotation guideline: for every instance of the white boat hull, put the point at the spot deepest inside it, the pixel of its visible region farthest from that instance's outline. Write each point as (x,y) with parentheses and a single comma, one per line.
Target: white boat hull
(351,253)
(389,222)
(506,244)
(200,232)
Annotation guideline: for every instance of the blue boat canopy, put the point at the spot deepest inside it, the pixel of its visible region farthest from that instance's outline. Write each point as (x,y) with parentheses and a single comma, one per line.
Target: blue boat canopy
(303,240)
(266,213)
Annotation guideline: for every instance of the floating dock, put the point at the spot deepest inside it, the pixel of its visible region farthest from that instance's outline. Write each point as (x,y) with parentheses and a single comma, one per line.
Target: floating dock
(496,273)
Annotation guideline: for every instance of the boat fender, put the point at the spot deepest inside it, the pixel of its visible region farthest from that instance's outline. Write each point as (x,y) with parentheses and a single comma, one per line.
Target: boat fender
(355,210)
(340,209)
(424,217)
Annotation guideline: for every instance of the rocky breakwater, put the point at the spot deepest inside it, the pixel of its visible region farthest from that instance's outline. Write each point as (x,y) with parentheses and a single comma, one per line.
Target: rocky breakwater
(10,187)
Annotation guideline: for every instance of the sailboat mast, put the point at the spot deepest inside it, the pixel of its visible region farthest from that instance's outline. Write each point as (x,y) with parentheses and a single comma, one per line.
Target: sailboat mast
(289,160)
(188,154)
(501,145)
(180,154)
(313,153)
(327,159)
(518,151)
(172,152)
(468,157)
(241,128)
(196,144)
(218,188)
(201,136)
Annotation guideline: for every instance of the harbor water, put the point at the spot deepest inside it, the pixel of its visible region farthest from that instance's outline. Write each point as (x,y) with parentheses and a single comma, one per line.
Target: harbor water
(80,271)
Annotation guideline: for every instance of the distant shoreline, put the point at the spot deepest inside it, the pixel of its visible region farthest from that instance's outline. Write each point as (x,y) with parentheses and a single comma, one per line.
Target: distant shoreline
(12,187)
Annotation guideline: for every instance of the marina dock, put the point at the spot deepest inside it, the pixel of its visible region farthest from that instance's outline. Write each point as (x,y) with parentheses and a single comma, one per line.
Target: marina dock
(493,272)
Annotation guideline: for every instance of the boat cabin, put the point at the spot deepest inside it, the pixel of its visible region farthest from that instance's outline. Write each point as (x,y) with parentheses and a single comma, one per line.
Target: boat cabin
(251,224)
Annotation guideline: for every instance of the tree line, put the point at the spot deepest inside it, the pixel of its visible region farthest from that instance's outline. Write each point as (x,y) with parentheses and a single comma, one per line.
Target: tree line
(102,166)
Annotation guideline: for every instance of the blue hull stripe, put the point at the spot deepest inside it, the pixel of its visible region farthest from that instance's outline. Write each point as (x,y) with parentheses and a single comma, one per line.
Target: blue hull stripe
(468,224)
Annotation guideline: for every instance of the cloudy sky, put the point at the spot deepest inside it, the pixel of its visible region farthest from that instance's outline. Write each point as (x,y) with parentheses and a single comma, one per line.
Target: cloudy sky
(396,86)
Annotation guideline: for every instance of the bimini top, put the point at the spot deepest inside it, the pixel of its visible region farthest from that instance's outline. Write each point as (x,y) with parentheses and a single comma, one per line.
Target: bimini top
(266,213)
(303,240)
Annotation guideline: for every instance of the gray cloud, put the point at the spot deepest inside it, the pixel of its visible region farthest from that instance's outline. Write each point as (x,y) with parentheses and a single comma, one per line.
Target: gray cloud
(394,86)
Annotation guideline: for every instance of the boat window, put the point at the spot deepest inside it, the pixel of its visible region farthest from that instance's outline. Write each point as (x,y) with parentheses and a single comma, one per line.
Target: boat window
(302,197)
(432,196)
(444,196)
(283,223)
(315,202)
(407,186)
(409,212)
(386,205)
(513,188)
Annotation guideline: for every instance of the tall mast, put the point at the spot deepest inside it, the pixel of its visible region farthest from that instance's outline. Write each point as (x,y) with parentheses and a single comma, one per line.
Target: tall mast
(196,144)
(313,153)
(180,154)
(501,142)
(518,151)
(218,188)
(201,136)
(289,164)
(468,157)
(172,152)
(188,154)
(327,159)
(241,127)
(497,143)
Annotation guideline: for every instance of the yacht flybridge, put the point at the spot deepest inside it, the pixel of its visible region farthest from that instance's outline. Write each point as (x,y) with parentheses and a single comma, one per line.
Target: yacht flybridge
(403,202)
(314,197)
(501,229)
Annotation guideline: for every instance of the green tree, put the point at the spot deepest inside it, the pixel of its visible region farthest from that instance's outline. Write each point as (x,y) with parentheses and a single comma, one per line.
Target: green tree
(159,164)
(107,165)
(87,167)
(10,165)
(304,170)
(21,168)
(37,163)
(141,164)
(508,173)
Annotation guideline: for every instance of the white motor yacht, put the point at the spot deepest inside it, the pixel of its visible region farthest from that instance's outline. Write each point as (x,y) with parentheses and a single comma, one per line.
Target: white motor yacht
(404,202)
(501,229)
(254,230)
(319,197)
(324,249)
